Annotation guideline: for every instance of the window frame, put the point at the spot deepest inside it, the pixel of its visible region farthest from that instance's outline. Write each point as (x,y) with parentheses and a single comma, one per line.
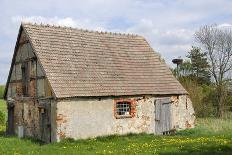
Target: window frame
(132,108)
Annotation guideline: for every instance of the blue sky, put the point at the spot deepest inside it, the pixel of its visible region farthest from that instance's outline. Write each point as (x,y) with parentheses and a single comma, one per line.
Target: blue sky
(168,25)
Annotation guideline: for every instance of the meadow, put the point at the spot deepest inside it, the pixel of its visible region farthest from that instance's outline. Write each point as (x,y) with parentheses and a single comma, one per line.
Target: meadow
(211,136)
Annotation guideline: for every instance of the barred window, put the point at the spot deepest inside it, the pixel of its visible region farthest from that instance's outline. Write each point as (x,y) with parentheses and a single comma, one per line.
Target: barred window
(124,108)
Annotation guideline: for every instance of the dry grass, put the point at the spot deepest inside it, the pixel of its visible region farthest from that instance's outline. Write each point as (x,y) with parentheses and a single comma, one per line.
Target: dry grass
(216,124)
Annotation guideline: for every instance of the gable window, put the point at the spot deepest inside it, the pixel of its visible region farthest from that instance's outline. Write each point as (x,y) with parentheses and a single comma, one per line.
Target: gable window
(25,78)
(124,108)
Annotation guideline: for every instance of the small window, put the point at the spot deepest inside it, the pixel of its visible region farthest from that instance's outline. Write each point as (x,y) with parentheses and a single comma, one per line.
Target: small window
(124,108)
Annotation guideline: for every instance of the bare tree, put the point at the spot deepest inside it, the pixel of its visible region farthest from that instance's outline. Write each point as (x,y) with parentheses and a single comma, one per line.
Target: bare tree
(217,42)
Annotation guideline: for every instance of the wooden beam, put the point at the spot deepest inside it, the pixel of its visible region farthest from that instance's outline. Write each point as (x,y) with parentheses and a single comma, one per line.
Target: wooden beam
(36,85)
(31,78)
(40,77)
(23,42)
(26,60)
(15,81)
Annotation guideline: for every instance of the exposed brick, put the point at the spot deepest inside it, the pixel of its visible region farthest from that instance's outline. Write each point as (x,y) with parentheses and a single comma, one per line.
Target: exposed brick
(19,89)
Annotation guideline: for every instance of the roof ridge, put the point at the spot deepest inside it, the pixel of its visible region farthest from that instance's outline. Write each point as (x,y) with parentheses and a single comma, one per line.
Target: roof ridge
(81,29)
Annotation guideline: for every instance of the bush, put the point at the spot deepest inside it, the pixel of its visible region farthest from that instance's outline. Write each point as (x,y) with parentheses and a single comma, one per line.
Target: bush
(203,97)
(1,91)
(2,118)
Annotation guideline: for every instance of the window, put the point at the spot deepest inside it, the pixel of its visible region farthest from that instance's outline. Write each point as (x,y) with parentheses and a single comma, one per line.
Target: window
(124,108)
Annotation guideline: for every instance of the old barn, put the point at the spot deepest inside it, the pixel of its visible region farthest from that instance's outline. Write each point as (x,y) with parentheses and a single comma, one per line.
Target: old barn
(73,83)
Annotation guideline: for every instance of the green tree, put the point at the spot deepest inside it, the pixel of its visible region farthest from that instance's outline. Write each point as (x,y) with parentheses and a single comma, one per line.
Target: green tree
(199,65)
(218,45)
(186,69)
(202,96)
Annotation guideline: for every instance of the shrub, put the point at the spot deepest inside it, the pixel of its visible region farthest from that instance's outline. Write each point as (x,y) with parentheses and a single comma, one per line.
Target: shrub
(2,118)
(1,91)
(202,97)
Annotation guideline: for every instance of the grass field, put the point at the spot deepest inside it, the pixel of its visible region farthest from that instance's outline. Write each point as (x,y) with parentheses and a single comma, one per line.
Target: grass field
(1,91)
(211,136)
(2,106)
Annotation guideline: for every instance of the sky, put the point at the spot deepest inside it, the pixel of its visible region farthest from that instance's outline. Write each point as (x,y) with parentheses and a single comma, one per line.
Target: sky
(168,25)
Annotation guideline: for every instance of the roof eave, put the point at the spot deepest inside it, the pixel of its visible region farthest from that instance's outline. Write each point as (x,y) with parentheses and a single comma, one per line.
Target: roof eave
(89,96)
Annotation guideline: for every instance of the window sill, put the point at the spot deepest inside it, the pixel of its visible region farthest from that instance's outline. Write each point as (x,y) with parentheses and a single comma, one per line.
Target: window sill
(123,117)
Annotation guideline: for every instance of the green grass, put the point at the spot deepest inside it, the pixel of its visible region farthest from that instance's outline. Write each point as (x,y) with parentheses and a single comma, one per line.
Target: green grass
(211,136)
(130,144)
(1,91)
(3,106)
(3,115)
(216,125)
(210,127)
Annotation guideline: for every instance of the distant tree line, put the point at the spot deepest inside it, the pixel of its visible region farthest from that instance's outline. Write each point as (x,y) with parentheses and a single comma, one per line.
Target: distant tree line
(206,75)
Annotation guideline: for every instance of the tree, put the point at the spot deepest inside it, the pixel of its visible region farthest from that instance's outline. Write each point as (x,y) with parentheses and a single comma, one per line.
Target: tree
(185,69)
(199,65)
(217,43)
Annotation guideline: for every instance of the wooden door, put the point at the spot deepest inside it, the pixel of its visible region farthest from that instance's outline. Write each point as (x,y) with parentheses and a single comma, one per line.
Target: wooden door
(163,115)
(45,122)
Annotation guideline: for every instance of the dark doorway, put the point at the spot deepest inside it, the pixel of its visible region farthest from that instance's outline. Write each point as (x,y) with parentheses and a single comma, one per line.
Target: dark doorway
(45,122)
(10,120)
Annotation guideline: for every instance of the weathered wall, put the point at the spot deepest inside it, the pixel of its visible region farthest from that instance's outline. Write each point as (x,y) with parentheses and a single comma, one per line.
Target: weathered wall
(186,115)
(82,118)
(26,106)
(38,83)
(90,117)
(27,115)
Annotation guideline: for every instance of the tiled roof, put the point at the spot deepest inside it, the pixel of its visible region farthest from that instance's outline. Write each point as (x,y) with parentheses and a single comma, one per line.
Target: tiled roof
(89,63)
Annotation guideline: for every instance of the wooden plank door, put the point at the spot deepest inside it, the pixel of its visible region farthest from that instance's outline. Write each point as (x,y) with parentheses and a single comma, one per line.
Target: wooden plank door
(163,115)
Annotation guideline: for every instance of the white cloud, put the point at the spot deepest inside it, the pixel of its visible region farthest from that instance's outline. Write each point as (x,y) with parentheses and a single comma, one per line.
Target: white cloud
(171,43)
(224,25)
(68,21)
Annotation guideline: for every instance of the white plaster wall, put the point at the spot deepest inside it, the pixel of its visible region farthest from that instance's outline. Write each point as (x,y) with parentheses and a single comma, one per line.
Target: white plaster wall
(186,113)
(84,118)
(90,117)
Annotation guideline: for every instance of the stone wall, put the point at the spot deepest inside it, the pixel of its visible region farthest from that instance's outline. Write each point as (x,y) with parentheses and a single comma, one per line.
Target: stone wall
(91,117)
(186,113)
(83,118)
(26,114)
